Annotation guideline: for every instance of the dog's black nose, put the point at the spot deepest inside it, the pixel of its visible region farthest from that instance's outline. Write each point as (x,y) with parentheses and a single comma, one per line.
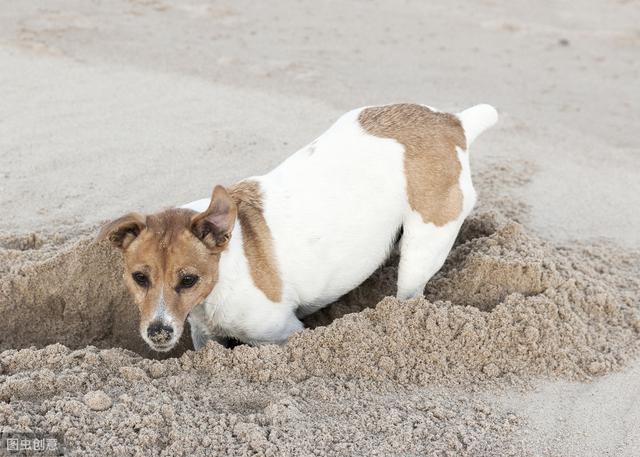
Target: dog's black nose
(159,333)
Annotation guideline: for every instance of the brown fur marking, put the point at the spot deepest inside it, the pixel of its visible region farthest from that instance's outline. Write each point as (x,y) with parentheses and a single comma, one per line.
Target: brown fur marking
(256,239)
(431,164)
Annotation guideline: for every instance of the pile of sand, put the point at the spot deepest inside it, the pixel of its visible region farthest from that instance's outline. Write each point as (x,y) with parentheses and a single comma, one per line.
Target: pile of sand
(506,307)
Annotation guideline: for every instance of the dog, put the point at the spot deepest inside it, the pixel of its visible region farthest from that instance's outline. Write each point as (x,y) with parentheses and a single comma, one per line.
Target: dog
(257,256)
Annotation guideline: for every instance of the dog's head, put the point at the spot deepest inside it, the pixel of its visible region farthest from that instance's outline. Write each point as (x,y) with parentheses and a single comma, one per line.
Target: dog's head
(171,262)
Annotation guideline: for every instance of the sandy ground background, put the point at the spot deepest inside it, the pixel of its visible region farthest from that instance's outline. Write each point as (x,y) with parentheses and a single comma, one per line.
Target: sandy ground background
(111,106)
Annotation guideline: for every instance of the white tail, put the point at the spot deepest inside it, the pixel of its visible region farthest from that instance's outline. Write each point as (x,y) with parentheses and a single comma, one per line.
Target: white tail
(476,120)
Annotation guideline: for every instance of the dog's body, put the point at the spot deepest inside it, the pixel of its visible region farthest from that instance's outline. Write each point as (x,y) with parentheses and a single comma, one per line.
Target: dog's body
(318,225)
(333,211)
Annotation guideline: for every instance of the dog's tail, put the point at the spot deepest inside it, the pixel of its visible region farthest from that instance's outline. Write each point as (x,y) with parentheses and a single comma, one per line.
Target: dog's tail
(476,120)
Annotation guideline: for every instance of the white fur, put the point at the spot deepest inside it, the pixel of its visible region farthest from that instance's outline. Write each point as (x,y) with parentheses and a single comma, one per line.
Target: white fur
(477,119)
(334,209)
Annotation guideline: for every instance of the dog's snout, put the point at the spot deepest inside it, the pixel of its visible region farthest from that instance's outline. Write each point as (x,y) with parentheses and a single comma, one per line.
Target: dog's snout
(159,333)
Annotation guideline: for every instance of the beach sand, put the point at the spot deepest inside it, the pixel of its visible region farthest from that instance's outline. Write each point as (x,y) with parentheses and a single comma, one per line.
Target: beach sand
(526,342)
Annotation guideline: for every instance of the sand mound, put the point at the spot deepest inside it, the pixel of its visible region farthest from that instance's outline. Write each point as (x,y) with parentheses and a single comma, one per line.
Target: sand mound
(506,305)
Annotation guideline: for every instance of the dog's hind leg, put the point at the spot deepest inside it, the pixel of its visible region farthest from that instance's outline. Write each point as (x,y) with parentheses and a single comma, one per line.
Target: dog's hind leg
(423,249)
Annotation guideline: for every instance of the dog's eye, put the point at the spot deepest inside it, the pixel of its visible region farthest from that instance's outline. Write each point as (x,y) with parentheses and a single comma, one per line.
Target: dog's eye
(188,281)
(140,278)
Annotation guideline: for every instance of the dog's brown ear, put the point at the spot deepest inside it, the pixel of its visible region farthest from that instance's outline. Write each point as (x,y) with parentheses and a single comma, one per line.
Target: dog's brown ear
(213,226)
(123,231)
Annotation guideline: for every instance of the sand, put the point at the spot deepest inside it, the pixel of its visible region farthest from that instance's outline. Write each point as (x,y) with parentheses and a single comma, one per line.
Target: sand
(506,308)
(526,343)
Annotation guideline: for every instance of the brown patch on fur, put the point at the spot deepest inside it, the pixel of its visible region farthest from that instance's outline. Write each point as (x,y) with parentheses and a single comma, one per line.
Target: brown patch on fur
(256,239)
(431,164)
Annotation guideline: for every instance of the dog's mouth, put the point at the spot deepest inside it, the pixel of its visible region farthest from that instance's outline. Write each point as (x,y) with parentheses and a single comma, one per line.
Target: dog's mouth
(166,347)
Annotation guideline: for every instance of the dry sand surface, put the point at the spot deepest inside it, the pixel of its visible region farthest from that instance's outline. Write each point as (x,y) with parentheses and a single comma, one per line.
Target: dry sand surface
(526,342)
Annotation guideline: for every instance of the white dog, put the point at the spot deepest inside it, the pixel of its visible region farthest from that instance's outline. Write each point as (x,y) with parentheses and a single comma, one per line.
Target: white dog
(258,255)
